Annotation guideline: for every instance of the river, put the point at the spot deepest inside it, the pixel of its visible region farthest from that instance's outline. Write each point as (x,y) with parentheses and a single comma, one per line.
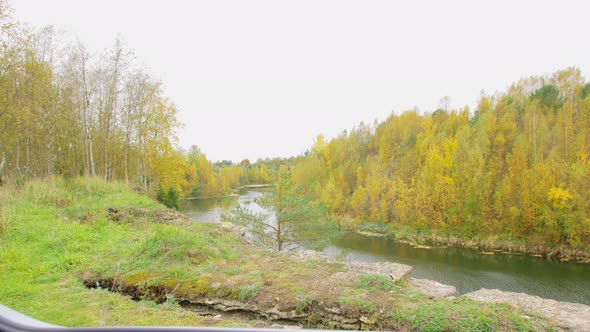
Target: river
(466,269)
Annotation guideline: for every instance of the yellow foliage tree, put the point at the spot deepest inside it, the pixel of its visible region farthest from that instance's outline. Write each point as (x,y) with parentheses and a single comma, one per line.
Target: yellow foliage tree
(559,197)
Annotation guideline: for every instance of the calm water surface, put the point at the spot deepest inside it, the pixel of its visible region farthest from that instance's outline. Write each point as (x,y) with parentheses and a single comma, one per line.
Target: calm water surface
(468,270)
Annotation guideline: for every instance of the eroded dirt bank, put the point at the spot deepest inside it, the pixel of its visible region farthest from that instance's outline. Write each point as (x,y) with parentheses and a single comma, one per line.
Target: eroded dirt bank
(331,312)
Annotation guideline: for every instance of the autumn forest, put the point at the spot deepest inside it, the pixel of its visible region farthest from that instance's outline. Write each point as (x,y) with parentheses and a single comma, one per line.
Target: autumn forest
(518,165)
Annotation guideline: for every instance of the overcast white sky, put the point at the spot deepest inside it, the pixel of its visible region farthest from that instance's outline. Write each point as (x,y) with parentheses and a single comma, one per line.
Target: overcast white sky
(256,79)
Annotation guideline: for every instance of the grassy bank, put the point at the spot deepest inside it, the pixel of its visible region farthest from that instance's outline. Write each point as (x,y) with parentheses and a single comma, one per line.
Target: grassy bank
(65,244)
(52,233)
(488,244)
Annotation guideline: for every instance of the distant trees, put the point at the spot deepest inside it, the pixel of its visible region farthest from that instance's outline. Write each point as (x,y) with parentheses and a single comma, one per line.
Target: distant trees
(207,179)
(518,166)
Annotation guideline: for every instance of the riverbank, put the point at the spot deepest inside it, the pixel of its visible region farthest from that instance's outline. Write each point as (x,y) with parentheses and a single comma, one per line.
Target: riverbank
(565,315)
(84,243)
(492,245)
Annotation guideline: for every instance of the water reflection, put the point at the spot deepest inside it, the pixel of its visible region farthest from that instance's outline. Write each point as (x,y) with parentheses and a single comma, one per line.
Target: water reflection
(468,270)
(212,209)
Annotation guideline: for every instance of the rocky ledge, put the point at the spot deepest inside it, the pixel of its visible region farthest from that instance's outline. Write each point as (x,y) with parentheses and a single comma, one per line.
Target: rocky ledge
(566,315)
(394,271)
(433,289)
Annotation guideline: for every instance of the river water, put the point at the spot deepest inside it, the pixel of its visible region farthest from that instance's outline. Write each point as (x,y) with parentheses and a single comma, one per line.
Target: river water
(466,269)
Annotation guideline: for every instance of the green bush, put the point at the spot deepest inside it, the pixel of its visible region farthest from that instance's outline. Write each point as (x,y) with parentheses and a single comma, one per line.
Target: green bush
(161,194)
(168,197)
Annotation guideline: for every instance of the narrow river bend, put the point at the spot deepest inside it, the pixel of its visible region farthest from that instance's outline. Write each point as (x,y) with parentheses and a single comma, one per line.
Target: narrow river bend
(468,270)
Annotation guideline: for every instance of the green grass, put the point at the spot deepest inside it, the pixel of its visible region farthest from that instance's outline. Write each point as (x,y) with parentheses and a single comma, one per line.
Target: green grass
(374,283)
(356,304)
(47,247)
(463,314)
(248,291)
(55,233)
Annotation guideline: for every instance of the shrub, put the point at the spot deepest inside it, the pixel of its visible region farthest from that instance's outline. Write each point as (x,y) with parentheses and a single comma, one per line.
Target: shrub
(172,198)
(168,197)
